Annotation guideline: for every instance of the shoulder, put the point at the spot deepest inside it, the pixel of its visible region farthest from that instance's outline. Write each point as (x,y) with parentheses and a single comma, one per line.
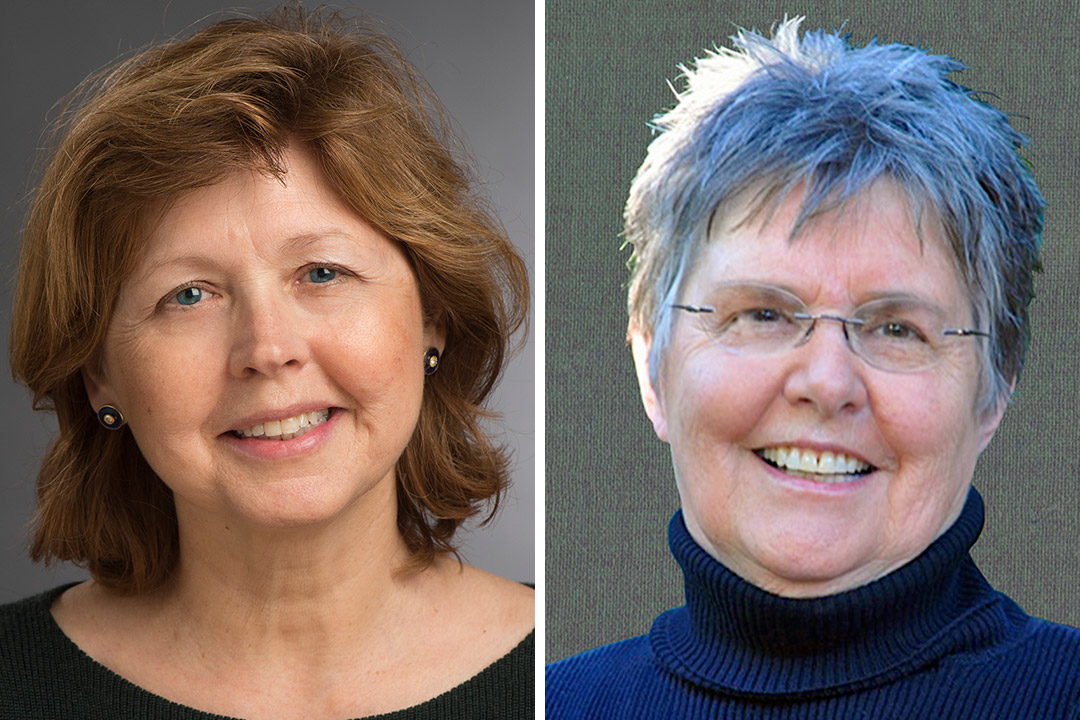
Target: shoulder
(499,589)
(27,625)
(492,604)
(504,689)
(36,660)
(1030,642)
(484,623)
(1032,671)
(1049,652)
(459,620)
(1056,637)
(599,682)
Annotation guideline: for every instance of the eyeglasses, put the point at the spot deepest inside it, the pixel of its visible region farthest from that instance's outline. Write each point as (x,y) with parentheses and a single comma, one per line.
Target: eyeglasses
(897,334)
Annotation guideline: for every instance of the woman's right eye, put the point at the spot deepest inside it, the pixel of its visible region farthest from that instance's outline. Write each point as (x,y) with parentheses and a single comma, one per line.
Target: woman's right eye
(898,331)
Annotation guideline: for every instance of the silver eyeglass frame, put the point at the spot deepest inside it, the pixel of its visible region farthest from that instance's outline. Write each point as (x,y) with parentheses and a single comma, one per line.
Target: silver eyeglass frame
(844,322)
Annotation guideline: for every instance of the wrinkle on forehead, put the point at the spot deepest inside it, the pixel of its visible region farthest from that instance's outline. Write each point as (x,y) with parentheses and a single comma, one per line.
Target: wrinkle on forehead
(861,246)
(763,203)
(237,199)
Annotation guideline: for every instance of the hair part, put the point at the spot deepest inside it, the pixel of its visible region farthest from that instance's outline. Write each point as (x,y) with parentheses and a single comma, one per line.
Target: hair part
(768,115)
(231,98)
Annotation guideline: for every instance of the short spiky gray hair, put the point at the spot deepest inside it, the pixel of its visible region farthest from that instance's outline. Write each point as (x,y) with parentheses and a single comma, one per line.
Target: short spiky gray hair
(770,114)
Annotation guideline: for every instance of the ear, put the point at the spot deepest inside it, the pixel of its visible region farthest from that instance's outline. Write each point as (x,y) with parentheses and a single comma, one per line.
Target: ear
(97,387)
(988,423)
(641,344)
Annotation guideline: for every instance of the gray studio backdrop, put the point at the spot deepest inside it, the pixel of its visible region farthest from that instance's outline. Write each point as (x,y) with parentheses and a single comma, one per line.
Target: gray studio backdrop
(610,488)
(478,56)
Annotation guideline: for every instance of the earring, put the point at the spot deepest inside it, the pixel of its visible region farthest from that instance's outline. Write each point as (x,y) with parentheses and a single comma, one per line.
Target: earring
(110,417)
(431,361)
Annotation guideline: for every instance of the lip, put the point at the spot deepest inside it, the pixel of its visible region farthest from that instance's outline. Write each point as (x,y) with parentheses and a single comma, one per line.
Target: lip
(289,411)
(815,486)
(260,448)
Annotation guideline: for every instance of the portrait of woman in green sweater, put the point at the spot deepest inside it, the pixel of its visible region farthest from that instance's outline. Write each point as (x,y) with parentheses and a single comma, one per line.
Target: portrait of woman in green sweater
(268,309)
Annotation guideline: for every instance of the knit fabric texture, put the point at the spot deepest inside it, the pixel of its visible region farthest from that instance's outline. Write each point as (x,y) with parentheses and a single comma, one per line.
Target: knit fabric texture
(43,675)
(929,640)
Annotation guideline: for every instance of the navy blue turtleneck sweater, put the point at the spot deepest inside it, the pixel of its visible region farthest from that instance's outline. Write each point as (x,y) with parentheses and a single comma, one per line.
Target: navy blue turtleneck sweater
(930,640)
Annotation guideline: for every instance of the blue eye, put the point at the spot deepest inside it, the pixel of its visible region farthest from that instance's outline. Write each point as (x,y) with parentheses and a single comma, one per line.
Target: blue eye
(189,296)
(322,274)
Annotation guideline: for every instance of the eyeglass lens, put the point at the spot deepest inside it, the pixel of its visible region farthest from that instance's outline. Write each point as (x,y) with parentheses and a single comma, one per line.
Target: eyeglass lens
(900,334)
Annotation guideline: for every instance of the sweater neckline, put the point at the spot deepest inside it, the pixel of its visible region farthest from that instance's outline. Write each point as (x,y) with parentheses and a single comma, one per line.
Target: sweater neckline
(95,677)
(735,637)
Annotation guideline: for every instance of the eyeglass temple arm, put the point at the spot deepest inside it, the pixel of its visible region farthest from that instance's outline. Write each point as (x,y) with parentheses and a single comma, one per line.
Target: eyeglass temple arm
(964,332)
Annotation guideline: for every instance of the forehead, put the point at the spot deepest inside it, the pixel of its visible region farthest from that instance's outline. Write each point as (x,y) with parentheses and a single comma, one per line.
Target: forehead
(867,247)
(253,213)
(253,201)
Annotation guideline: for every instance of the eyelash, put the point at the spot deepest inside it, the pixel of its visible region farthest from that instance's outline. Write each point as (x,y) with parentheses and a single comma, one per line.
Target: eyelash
(342,273)
(170,299)
(304,272)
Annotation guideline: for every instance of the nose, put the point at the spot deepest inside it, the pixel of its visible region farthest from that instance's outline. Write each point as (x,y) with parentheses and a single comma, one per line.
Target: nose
(825,373)
(268,338)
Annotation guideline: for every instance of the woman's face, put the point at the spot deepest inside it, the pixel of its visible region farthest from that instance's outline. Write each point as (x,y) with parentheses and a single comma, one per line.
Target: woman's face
(267,351)
(791,532)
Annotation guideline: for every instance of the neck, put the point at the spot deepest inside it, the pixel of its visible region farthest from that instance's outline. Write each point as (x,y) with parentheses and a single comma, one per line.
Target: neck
(311,594)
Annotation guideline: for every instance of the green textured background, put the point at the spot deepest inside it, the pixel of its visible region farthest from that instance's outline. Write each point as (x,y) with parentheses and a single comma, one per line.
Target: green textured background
(610,489)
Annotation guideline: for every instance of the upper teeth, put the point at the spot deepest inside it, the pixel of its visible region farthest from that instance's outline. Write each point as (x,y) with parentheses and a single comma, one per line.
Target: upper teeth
(804,460)
(288,428)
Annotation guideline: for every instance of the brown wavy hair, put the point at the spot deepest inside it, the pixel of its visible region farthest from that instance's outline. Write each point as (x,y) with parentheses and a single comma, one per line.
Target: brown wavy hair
(184,115)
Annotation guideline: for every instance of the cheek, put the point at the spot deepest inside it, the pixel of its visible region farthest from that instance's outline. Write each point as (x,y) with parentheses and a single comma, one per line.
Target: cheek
(723,392)
(153,374)
(169,386)
(378,360)
(927,418)
(717,405)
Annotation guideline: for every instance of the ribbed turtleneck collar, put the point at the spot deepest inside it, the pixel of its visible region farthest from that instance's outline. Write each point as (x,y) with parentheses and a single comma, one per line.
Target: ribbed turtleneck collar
(735,637)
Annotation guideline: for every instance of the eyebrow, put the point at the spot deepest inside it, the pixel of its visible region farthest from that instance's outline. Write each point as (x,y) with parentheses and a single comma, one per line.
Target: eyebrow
(290,246)
(901,300)
(762,286)
(898,297)
(303,240)
(768,288)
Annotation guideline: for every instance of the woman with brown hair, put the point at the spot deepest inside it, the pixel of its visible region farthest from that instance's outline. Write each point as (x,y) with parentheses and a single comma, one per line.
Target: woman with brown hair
(266,308)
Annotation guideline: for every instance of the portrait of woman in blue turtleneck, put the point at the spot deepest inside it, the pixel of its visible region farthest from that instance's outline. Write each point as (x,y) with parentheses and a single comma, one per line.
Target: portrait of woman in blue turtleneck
(833,250)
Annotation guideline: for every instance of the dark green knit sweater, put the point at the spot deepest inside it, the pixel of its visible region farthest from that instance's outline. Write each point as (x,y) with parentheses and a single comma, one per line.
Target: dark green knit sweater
(43,675)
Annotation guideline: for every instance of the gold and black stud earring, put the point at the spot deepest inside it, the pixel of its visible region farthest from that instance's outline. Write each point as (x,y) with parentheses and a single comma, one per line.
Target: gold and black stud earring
(431,361)
(110,417)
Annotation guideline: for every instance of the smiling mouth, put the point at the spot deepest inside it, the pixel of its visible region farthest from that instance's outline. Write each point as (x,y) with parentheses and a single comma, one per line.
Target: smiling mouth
(822,467)
(285,429)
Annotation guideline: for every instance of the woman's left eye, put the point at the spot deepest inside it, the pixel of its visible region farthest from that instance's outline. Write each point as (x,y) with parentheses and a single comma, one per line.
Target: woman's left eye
(899,330)
(189,295)
(322,274)
(186,297)
(766,315)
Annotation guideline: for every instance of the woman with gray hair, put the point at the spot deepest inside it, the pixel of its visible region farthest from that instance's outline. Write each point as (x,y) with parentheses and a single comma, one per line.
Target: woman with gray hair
(833,258)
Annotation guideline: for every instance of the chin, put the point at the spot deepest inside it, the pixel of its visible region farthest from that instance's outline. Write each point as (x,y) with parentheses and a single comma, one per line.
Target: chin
(298,505)
(806,580)
(814,565)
